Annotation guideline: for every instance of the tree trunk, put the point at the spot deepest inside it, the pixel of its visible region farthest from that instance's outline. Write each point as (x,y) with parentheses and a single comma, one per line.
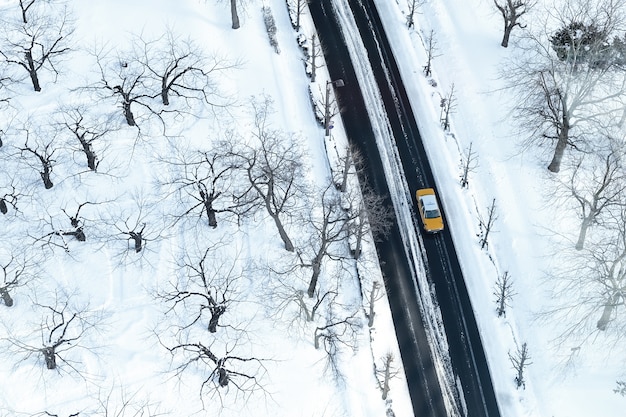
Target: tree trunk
(50,357)
(212,218)
(3,207)
(298,13)
(314,52)
(91,160)
(223,378)
(45,177)
(216,313)
(283,234)
(88,150)
(356,253)
(372,313)
(317,268)
(606,312)
(387,377)
(6,297)
(583,232)
(208,206)
(32,71)
(521,366)
(507,34)
(410,19)
(316,338)
(559,151)
(165,98)
(138,241)
(563,138)
(128,114)
(346,170)
(79,234)
(233,14)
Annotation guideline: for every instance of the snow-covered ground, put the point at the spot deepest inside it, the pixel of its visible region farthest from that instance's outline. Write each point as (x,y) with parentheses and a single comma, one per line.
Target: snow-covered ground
(125,357)
(122,358)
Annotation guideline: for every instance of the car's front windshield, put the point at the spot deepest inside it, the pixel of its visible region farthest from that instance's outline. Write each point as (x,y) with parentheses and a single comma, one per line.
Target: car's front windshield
(432,214)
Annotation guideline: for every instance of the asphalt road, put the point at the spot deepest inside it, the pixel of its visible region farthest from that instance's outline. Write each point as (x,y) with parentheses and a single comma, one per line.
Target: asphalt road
(465,347)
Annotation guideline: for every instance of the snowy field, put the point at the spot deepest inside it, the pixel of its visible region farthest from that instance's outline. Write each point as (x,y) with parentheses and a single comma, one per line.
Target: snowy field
(130,350)
(121,304)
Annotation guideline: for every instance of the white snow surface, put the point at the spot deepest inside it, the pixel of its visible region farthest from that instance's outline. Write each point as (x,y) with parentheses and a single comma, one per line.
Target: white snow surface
(124,360)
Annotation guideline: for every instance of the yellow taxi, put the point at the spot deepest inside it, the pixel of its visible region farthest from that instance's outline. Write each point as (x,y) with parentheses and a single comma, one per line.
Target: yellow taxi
(429,210)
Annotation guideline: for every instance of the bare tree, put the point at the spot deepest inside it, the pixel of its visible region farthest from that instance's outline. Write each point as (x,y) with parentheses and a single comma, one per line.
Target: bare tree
(512,11)
(274,170)
(76,221)
(596,189)
(387,373)
(87,132)
(221,366)
(17,270)
(208,285)
(448,104)
(129,91)
(431,53)
(311,57)
(63,329)
(469,163)
(486,223)
(39,42)
(135,234)
(609,273)
(126,79)
(374,295)
(336,332)
(9,196)
(327,106)
(331,332)
(367,214)
(177,68)
(413,5)
(520,361)
(43,151)
(290,305)
(349,164)
(56,236)
(137,222)
(504,293)
(328,227)
(566,86)
(296,9)
(203,183)
(589,287)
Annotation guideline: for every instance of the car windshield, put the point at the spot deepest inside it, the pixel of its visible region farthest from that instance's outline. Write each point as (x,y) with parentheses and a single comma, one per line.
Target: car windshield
(432,214)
